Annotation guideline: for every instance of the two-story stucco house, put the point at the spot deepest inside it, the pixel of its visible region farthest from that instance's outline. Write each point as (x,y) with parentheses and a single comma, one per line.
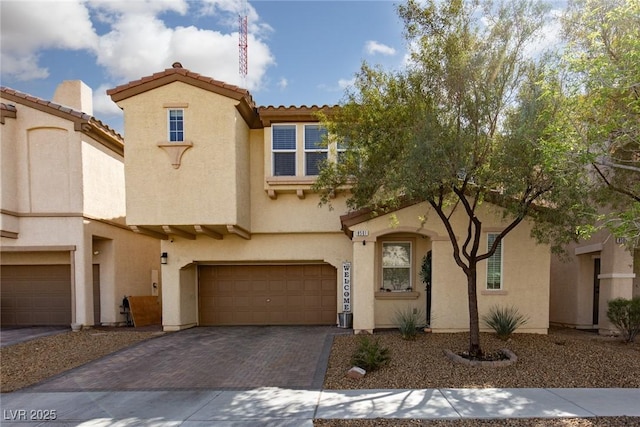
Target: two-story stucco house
(67,256)
(227,185)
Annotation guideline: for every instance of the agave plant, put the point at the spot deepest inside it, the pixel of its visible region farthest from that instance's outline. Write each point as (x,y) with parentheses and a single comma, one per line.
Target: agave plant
(504,320)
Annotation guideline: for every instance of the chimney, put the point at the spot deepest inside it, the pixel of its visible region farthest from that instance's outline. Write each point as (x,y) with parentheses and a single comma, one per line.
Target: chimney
(75,94)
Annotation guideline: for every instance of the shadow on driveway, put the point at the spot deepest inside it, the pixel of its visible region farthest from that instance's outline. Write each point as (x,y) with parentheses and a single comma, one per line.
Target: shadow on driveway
(235,357)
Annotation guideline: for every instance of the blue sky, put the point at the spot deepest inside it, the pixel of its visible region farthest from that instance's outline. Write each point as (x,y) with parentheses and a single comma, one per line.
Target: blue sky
(300,52)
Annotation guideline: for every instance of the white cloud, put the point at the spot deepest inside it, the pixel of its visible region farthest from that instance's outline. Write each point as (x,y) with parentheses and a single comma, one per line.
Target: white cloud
(344,83)
(373,48)
(340,86)
(283,83)
(138,42)
(30,26)
(102,103)
(136,47)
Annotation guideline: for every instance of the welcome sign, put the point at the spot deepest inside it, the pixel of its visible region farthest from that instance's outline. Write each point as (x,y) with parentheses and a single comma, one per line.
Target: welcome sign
(346,287)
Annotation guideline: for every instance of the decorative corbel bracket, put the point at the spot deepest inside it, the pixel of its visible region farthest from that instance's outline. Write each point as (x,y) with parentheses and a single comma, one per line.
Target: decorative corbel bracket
(175,150)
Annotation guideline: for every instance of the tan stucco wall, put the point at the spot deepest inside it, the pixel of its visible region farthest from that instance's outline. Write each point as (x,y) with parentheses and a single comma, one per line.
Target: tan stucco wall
(572,281)
(103,182)
(525,267)
(209,186)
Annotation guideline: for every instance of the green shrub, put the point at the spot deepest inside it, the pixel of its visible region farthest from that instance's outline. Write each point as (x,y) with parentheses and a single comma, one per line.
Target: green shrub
(504,320)
(370,355)
(409,320)
(625,315)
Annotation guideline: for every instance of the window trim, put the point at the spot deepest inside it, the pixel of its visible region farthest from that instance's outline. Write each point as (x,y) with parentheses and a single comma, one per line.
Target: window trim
(316,150)
(500,251)
(410,266)
(169,131)
(274,151)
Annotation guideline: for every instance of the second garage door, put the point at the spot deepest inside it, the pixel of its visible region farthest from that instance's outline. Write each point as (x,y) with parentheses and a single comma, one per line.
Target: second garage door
(268,295)
(36,295)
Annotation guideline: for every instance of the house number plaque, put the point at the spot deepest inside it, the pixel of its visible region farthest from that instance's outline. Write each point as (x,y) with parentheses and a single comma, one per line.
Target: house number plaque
(346,287)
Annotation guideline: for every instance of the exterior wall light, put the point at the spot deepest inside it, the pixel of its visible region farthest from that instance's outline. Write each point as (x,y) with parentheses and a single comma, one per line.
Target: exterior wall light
(163,258)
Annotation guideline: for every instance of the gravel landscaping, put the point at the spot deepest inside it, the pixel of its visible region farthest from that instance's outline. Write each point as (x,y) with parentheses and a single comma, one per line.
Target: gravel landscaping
(30,362)
(564,358)
(512,422)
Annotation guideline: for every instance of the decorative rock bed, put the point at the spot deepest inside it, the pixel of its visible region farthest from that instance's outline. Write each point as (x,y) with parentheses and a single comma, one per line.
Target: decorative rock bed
(511,358)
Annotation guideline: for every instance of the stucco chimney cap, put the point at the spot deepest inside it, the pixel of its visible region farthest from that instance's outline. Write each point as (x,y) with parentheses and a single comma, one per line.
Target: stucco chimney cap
(176,65)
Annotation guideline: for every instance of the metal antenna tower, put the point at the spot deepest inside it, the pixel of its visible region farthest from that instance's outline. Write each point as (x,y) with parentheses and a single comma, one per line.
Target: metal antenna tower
(243,44)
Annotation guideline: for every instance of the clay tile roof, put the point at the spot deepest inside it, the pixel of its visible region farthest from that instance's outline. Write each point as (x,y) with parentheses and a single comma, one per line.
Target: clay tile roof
(246,105)
(175,73)
(7,107)
(272,114)
(78,117)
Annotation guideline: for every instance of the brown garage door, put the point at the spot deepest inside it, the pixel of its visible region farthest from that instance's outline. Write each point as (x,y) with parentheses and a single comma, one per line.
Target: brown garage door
(35,295)
(268,295)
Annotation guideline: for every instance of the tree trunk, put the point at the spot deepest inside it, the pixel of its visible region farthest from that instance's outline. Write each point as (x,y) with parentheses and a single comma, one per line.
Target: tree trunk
(474,324)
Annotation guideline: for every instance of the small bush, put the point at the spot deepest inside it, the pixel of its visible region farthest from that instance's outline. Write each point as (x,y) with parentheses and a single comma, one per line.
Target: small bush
(370,355)
(504,320)
(625,315)
(409,321)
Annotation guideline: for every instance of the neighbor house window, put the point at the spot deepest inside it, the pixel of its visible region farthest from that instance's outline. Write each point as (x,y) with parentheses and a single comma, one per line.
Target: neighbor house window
(315,150)
(396,266)
(283,144)
(494,264)
(176,125)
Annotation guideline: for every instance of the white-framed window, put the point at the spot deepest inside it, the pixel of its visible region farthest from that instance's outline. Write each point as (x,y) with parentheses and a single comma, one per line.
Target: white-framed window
(315,149)
(494,264)
(283,146)
(396,266)
(175,125)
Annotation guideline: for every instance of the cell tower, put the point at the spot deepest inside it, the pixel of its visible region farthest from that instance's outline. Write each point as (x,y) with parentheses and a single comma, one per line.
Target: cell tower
(242,44)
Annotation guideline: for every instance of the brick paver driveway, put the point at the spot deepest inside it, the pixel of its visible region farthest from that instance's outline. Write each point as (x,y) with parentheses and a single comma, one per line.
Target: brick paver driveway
(236,357)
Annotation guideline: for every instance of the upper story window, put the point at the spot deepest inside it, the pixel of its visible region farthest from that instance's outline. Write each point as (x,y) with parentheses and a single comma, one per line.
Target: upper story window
(494,264)
(315,149)
(176,125)
(283,140)
(396,266)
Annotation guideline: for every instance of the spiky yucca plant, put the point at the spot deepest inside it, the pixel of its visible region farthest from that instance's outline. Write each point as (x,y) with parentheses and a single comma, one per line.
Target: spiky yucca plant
(409,320)
(504,320)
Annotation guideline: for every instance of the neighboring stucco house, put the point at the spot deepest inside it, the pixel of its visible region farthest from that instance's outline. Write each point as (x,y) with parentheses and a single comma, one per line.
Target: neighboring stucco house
(227,185)
(67,256)
(598,271)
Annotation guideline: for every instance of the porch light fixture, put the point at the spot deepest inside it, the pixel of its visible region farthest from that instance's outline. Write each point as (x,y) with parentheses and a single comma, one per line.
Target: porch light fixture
(163,258)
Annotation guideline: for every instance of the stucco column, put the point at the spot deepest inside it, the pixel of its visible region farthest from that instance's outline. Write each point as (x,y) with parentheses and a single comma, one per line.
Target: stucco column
(612,286)
(616,281)
(83,284)
(363,286)
(170,296)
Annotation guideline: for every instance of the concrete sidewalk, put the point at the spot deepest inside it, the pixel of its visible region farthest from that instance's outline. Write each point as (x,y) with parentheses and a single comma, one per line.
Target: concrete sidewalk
(269,406)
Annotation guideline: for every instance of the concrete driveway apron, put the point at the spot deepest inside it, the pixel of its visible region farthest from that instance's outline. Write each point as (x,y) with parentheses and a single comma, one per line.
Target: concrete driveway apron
(233,358)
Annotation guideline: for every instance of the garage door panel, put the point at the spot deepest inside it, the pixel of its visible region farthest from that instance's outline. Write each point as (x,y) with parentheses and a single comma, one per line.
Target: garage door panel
(279,286)
(295,285)
(260,286)
(35,295)
(271,294)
